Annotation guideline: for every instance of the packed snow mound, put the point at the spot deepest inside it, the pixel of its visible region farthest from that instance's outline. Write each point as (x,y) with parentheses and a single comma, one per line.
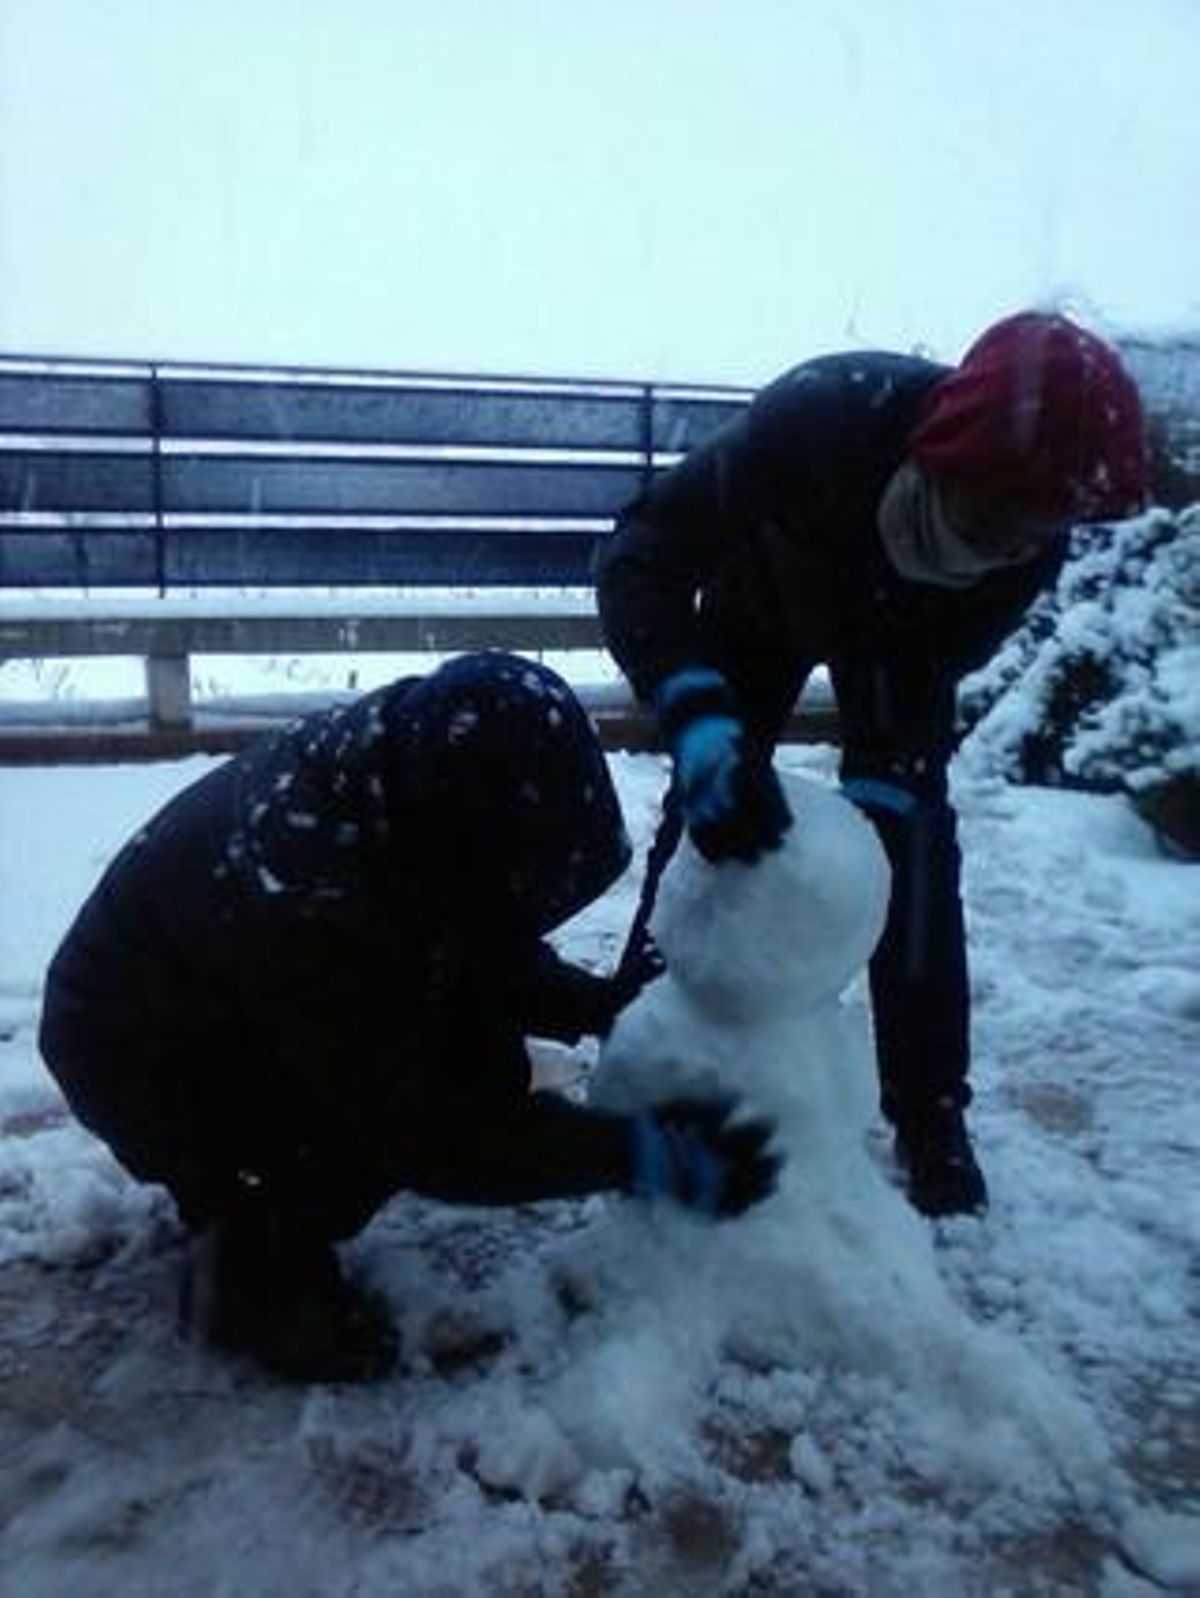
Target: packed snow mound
(791,930)
(567,1418)
(834,1274)
(757,957)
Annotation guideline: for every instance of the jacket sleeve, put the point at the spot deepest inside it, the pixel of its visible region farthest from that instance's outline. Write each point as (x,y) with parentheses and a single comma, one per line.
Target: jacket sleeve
(439,1104)
(514,1151)
(671,540)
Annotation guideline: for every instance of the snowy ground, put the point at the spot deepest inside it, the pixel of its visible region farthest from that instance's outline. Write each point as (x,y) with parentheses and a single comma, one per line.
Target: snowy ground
(555,1430)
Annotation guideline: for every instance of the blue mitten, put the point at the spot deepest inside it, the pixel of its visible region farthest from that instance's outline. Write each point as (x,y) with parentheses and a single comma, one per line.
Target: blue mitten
(690,1151)
(733,805)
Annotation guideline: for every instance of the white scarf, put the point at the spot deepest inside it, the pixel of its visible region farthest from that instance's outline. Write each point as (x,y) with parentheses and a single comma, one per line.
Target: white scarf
(921,540)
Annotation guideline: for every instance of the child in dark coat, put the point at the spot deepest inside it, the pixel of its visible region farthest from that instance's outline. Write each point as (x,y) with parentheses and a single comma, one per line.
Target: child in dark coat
(307,984)
(893,519)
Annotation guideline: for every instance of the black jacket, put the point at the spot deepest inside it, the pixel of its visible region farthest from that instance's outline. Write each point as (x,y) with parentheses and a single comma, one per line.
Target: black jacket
(759,555)
(334,942)
(763,541)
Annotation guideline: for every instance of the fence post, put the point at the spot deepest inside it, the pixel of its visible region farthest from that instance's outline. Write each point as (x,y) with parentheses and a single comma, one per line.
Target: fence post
(169,690)
(156,432)
(647,410)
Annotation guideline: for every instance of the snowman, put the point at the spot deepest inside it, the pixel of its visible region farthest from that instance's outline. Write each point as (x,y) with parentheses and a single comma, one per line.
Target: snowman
(757,959)
(762,1001)
(751,1007)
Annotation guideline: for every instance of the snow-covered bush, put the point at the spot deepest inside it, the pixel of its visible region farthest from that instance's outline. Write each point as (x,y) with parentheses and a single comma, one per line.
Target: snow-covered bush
(1101,686)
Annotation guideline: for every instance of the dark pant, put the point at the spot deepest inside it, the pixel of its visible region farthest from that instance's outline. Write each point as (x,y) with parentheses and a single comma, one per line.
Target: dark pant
(205,1126)
(896,731)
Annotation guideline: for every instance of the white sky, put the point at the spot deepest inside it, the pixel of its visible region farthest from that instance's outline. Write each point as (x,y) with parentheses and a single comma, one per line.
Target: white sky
(707,189)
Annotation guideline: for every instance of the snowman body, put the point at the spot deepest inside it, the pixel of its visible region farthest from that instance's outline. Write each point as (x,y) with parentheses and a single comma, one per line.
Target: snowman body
(834,1273)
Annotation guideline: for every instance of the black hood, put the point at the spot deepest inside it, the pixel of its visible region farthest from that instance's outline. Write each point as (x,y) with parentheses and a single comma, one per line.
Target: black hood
(493,764)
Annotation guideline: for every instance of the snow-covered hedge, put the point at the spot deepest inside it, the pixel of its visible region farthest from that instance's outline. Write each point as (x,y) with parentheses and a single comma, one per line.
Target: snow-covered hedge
(1101,686)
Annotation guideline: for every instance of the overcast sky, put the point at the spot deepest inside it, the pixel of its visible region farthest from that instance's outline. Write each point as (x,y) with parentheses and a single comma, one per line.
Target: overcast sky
(703,189)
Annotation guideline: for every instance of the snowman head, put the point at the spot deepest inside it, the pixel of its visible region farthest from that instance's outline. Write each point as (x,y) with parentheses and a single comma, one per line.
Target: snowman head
(787,932)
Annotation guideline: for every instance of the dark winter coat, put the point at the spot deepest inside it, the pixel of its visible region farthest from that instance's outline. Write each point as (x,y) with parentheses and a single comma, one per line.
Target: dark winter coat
(759,554)
(771,526)
(319,963)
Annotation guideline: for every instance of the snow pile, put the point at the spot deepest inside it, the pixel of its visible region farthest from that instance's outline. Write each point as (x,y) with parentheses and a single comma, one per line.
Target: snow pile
(828,1396)
(836,1272)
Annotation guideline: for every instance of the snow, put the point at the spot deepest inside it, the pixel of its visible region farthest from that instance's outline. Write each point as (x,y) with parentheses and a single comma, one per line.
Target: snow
(101,610)
(830,1396)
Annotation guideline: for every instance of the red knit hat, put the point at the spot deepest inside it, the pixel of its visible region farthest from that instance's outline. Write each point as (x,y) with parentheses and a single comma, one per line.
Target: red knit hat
(1042,414)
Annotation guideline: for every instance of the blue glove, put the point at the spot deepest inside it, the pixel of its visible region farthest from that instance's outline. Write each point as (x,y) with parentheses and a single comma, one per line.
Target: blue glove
(688,1150)
(874,794)
(733,805)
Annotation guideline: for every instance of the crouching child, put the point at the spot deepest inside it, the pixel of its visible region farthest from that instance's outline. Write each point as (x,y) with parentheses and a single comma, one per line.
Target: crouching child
(307,985)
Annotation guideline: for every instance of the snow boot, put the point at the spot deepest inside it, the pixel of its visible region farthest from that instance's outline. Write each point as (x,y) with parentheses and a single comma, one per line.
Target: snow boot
(934,1153)
(252,1288)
